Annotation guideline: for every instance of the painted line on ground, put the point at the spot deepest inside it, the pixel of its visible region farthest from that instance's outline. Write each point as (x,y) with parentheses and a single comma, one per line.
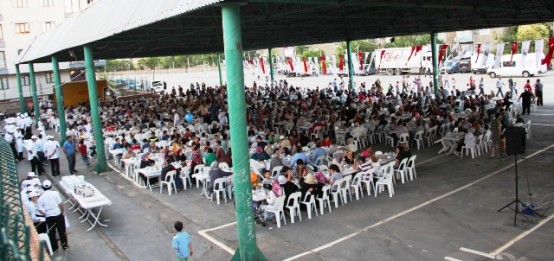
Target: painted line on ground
(542,124)
(124,175)
(520,236)
(543,114)
(405,212)
(451,259)
(477,252)
(204,233)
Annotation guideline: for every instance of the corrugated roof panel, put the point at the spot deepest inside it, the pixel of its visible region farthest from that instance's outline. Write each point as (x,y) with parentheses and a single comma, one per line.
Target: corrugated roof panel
(105,18)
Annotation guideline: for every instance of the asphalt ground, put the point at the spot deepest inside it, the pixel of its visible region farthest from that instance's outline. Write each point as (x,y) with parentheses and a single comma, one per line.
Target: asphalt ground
(449,211)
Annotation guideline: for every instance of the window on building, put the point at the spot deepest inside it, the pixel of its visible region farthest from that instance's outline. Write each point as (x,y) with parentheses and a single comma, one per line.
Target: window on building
(485,31)
(46,3)
(47,26)
(72,6)
(1,34)
(19,3)
(22,28)
(4,83)
(3,60)
(49,77)
(25,80)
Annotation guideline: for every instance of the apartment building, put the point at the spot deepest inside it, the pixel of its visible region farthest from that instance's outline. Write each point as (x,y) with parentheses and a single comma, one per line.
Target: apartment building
(20,22)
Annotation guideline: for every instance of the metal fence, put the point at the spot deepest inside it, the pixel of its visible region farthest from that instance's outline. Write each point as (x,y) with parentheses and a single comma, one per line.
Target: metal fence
(14,234)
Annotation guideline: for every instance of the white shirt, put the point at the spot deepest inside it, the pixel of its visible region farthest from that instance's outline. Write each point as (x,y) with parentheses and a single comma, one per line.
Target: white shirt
(49,203)
(32,209)
(31,150)
(52,146)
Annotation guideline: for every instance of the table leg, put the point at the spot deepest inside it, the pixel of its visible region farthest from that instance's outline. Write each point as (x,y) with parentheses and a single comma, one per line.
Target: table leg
(96,219)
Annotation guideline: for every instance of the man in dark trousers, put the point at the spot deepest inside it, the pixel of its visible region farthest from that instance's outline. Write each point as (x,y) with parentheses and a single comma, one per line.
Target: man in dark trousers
(538,92)
(526,101)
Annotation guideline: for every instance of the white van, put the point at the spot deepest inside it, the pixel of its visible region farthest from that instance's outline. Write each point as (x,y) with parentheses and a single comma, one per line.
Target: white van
(515,66)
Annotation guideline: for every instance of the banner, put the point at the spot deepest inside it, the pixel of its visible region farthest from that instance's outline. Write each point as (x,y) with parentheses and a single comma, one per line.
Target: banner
(486,53)
(513,51)
(524,52)
(381,59)
(539,49)
(323,64)
(442,51)
(361,59)
(289,60)
(478,47)
(341,62)
(499,52)
(548,57)
(262,64)
(305,65)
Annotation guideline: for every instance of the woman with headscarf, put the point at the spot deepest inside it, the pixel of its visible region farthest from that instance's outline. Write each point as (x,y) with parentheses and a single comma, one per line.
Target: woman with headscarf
(276,191)
(260,154)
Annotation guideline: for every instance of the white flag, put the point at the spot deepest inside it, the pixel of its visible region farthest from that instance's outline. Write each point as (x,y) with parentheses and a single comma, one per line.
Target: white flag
(486,53)
(539,51)
(524,51)
(499,52)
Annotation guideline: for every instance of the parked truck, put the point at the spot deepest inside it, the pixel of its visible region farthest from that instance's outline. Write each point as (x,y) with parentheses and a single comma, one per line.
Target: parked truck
(76,92)
(395,61)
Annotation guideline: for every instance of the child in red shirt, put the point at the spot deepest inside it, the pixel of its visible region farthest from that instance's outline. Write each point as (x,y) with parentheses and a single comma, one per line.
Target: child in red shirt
(83,150)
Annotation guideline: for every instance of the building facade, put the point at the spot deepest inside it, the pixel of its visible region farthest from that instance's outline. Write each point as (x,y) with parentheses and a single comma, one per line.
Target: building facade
(20,22)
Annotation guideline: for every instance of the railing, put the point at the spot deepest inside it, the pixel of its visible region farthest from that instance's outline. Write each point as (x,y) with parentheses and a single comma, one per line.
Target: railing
(14,233)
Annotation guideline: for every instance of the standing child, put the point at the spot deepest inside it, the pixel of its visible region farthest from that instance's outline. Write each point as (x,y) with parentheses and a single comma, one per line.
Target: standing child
(181,242)
(83,150)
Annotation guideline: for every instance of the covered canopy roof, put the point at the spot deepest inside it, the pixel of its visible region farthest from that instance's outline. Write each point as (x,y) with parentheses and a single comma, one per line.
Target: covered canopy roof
(146,28)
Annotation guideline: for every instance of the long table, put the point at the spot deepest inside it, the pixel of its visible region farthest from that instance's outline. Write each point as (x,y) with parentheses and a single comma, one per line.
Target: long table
(86,204)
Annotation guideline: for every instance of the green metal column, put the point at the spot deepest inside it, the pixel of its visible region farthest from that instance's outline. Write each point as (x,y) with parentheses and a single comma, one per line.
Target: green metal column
(219,69)
(59,97)
(101,164)
(350,65)
(34,92)
(19,89)
(232,41)
(435,62)
(271,71)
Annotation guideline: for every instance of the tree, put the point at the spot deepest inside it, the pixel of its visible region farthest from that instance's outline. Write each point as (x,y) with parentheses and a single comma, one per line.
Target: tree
(532,32)
(410,40)
(357,46)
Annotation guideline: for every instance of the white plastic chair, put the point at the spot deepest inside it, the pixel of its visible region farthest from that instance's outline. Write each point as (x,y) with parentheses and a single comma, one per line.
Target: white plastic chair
(527,127)
(277,209)
(368,181)
(410,167)
(386,179)
(357,185)
(323,198)
(418,139)
(197,169)
(276,170)
(309,201)
(220,185)
(404,139)
(293,205)
(169,182)
(43,237)
(345,188)
(336,192)
(401,170)
(185,176)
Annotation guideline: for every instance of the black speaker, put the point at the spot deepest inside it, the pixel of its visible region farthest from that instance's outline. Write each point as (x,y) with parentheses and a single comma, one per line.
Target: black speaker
(515,140)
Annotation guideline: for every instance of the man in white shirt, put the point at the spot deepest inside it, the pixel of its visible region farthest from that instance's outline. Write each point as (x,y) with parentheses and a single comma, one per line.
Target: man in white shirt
(52,153)
(32,208)
(51,206)
(176,118)
(32,155)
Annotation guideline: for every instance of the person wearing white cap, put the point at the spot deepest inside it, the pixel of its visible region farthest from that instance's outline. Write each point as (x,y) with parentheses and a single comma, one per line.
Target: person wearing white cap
(26,188)
(9,137)
(32,155)
(32,208)
(34,180)
(52,153)
(50,205)
(28,126)
(18,144)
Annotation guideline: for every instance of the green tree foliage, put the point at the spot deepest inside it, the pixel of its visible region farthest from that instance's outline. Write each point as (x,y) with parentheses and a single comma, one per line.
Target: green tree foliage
(532,32)
(410,40)
(357,46)
(118,65)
